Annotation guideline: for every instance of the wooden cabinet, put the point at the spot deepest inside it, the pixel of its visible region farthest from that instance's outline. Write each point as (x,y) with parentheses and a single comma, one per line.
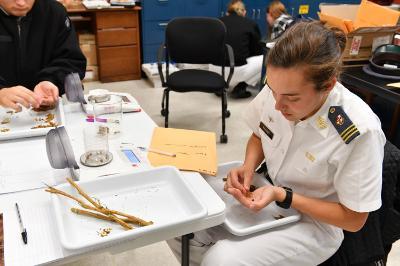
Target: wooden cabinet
(118,45)
(117,39)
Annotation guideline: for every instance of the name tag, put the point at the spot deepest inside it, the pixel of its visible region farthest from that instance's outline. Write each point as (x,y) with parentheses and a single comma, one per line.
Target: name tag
(266,130)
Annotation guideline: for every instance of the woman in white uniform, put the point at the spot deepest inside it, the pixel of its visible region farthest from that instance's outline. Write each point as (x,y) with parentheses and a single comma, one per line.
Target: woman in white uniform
(323,147)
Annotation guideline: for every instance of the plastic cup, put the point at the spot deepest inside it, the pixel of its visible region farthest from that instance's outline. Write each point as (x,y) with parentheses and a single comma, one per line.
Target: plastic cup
(96,146)
(109,114)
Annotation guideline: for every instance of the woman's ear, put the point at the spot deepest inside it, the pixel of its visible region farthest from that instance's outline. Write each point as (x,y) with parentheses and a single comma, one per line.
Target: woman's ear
(330,84)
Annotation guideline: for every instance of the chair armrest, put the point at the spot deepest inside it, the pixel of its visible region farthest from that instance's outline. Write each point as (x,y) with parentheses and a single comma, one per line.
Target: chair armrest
(231,64)
(160,58)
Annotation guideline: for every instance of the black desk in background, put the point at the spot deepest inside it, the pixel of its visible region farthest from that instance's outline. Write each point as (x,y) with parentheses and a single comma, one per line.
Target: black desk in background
(355,79)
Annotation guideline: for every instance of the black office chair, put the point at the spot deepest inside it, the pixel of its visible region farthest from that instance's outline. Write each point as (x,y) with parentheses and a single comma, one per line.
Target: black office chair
(196,40)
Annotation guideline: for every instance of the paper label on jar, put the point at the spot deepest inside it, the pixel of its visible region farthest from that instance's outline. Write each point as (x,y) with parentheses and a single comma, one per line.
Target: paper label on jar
(378,41)
(355,45)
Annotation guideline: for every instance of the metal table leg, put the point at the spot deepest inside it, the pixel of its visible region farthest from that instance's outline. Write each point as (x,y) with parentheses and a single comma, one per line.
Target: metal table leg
(185,249)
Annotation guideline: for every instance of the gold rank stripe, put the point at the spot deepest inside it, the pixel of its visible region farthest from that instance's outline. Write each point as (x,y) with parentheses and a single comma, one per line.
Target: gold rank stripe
(351,134)
(342,135)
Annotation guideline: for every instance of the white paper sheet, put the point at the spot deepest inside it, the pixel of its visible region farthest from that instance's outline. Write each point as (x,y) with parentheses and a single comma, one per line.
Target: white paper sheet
(24,167)
(43,244)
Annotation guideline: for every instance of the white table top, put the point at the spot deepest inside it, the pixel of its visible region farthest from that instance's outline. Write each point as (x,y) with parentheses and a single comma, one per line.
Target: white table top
(44,247)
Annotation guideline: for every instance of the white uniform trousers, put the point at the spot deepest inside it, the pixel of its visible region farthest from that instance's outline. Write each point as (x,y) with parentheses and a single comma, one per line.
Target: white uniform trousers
(304,243)
(249,73)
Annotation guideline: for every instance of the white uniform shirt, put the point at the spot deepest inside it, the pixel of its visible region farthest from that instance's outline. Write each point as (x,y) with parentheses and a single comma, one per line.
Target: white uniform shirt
(311,158)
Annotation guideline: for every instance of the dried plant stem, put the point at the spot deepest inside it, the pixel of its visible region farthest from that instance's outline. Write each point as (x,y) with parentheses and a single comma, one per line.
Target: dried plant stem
(135,219)
(97,215)
(108,211)
(81,192)
(56,191)
(60,192)
(129,218)
(97,207)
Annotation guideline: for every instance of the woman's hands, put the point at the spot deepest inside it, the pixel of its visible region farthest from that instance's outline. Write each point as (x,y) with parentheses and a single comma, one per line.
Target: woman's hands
(256,200)
(238,185)
(239,179)
(44,93)
(48,92)
(14,97)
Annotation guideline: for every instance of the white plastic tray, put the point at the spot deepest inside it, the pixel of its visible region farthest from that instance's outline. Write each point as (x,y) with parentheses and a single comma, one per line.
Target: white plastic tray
(129,103)
(21,123)
(160,195)
(238,219)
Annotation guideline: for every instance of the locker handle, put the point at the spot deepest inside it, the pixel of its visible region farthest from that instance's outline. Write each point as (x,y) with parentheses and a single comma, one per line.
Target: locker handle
(253,15)
(258,13)
(164,24)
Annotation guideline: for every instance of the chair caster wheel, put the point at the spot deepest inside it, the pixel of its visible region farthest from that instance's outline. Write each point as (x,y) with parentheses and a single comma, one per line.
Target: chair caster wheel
(163,112)
(227,113)
(223,139)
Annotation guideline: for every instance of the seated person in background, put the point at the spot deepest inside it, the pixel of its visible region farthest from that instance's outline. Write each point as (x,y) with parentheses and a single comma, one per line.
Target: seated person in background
(323,147)
(243,35)
(278,18)
(38,48)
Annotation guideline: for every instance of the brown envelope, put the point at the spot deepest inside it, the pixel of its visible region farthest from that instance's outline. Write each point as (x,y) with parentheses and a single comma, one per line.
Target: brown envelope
(335,21)
(370,14)
(195,150)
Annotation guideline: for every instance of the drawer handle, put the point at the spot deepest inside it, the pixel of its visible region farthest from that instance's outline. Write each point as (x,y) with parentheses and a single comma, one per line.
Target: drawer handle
(115,29)
(164,24)
(163,1)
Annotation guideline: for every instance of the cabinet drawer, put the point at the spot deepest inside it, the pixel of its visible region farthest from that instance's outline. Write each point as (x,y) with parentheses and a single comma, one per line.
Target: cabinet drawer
(162,9)
(118,36)
(119,61)
(116,19)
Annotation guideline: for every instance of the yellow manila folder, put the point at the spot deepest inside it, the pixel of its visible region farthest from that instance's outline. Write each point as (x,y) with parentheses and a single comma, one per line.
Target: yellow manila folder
(370,14)
(335,21)
(192,150)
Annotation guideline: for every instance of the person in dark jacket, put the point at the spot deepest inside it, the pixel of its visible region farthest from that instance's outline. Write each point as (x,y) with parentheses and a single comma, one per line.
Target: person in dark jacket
(38,48)
(244,36)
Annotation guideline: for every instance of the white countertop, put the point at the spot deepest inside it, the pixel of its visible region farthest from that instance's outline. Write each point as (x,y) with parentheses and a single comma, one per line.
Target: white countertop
(43,245)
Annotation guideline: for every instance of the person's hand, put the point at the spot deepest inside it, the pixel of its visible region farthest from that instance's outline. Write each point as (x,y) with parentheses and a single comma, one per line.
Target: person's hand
(47,91)
(239,179)
(256,200)
(14,97)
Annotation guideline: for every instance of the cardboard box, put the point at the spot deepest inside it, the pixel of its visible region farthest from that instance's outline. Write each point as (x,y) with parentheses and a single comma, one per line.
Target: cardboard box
(367,26)
(86,38)
(92,73)
(151,71)
(89,50)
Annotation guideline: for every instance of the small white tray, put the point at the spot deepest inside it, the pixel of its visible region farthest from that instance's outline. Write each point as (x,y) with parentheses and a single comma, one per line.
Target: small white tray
(241,221)
(160,195)
(129,103)
(21,123)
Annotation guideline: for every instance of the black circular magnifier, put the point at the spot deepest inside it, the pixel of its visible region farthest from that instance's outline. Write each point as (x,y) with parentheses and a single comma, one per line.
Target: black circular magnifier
(59,151)
(74,89)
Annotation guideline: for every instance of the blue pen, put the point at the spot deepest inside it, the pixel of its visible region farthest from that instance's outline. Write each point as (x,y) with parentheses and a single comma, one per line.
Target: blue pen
(24,234)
